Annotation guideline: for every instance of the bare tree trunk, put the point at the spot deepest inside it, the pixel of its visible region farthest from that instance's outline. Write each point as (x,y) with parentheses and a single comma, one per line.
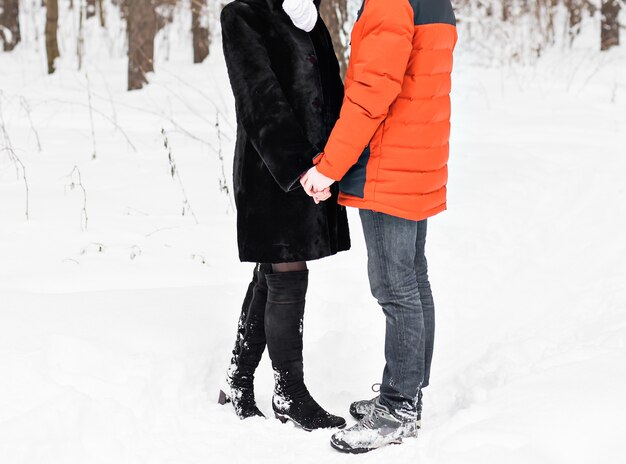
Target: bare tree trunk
(552,6)
(335,15)
(142,28)
(200,31)
(10,24)
(575,14)
(506,10)
(609,33)
(101,14)
(52,25)
(91,8)
(80,42)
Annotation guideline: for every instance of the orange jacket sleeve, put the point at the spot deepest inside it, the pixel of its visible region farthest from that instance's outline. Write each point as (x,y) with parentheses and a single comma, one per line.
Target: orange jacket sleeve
(378,67)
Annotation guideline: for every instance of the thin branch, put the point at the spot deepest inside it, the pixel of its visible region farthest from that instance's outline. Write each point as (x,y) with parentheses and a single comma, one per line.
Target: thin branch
(176,175)
(93,132)
(108,89)
(223,181)
(17,162)
(159,230)
(104,115)
(26,108)
(77,181)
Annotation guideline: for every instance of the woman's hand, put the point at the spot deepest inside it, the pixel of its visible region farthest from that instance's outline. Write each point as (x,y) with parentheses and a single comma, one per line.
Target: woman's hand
(316,185)
(322,196)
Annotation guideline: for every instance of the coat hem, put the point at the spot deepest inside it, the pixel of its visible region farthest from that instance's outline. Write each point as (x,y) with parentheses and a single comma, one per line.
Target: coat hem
(248,258)
(359,203)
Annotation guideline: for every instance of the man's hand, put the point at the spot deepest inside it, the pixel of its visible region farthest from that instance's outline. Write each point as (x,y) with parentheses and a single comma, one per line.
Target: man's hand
(316,185)
(322,196)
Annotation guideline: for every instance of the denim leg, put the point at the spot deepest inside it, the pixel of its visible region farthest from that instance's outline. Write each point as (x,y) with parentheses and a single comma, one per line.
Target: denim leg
(391,249)
(426,298)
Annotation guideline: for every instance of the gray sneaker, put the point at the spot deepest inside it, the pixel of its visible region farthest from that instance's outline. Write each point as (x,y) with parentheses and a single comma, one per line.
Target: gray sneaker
(360,409)
(379,428)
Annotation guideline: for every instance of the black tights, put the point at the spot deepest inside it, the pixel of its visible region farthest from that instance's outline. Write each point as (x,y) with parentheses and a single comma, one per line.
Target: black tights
(289,267)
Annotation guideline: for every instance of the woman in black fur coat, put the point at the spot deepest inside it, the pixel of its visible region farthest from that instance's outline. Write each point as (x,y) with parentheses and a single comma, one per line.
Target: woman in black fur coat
(288,93)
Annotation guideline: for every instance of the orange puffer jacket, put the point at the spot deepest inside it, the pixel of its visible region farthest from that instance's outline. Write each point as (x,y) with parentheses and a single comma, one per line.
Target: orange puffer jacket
(390,146)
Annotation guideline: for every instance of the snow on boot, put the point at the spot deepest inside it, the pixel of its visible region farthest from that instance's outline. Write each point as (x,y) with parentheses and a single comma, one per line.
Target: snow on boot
(380,428)
(249,347)
(283,328)
(293,402)
(362,408)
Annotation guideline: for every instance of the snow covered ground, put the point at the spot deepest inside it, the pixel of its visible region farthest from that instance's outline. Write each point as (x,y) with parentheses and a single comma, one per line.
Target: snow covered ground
(114,339)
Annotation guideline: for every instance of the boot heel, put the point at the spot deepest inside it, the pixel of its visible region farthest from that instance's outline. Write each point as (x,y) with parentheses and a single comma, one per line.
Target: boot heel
(283,419)
(223,398)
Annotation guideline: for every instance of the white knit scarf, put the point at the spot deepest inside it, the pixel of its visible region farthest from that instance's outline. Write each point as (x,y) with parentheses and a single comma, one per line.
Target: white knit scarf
(303,13)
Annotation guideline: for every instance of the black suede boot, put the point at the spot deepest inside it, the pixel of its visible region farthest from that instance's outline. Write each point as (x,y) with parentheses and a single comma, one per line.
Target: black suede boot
(283,329)
(249,347)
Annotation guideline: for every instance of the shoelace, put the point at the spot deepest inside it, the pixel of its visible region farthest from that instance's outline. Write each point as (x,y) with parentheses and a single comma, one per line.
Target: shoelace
(368,421)
(376,387)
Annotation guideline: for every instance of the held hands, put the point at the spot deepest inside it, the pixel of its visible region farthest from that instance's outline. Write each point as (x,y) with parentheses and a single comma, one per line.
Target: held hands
(316,185)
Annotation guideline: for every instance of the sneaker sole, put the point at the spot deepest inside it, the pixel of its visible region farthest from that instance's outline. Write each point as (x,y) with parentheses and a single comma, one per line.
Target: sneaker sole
(361,450)
(359,416)
(284,418)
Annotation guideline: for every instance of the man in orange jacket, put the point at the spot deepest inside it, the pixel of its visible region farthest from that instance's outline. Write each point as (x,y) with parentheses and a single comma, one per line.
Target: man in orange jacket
(389,151)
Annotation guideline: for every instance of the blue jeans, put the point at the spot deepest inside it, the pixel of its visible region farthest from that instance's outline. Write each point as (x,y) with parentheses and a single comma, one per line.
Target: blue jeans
(398,275)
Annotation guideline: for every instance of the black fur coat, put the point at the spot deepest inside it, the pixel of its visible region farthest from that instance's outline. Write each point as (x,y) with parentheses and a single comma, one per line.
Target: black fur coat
(288,93)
